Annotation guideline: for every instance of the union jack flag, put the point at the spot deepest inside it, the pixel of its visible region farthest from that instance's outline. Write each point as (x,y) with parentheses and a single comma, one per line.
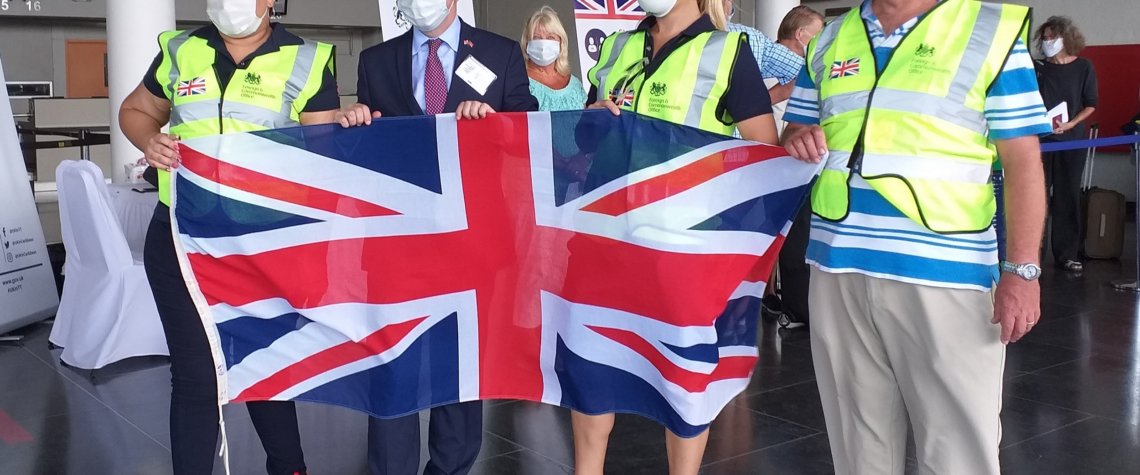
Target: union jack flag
(622,99)
(842,69)
(472,260)
(192,87)
(608,10)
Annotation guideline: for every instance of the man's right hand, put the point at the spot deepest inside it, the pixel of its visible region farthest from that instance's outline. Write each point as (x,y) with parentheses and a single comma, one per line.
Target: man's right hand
(806,143)
(162,151)
(355,115)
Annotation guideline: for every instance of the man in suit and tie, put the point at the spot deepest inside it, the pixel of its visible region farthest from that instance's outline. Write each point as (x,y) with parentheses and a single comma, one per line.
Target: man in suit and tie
(442,65)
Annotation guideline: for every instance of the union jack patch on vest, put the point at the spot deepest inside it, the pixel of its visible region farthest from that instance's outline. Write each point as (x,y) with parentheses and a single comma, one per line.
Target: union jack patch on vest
(192,87)
(622,98)
(842,69)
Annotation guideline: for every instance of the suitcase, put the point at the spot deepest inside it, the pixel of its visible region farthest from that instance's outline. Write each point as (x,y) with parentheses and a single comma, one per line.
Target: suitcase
(1104,212)
(1104,223)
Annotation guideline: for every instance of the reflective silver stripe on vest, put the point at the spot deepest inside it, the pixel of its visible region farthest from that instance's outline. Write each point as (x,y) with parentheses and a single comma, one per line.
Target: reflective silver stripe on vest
(929,168)
(604,70)
(977,52)
(208,110)
(302,68)
(823,43)
(706,77)
(172,48)
(907,101)
(192,112)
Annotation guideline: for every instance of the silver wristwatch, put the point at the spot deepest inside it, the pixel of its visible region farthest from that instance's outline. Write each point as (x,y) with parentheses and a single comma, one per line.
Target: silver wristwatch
(1028,272)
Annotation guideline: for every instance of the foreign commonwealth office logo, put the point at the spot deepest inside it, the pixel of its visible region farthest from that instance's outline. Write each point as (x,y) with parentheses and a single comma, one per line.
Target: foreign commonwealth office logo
(658,89)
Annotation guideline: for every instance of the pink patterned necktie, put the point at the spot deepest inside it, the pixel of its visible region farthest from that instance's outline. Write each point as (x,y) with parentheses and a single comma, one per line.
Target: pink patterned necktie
(435,84)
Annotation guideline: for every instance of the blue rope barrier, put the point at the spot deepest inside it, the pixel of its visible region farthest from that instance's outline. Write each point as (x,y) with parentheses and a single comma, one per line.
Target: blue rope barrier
(1083,144)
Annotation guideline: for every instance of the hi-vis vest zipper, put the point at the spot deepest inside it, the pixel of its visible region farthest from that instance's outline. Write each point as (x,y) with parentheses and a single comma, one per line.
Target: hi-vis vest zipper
(269,94)
(916,132)
(686,89)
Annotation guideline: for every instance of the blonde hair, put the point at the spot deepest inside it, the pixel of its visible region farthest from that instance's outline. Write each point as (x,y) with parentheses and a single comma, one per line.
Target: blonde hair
(715,10)
(547,18)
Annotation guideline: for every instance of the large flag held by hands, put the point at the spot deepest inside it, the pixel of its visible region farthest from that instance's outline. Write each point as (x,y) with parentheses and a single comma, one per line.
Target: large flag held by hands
(606,264)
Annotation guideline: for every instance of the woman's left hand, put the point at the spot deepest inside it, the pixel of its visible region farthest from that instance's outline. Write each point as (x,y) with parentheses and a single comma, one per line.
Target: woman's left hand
(1067,126)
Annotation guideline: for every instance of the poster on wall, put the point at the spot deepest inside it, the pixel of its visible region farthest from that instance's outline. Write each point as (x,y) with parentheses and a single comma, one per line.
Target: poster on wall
(27,284)
(393,23)
(597,19)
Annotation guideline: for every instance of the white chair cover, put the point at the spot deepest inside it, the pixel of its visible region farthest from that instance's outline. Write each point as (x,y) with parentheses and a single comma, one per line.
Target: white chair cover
(107,312)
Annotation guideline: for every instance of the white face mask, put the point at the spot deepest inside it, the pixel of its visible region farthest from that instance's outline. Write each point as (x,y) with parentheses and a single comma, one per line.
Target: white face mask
(1053,47)
(543,52)
(424,15)
(235,18)
(657,8)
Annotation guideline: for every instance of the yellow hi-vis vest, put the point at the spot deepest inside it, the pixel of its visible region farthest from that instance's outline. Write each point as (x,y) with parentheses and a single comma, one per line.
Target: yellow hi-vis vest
(269,94)
(686,89)
(916,132)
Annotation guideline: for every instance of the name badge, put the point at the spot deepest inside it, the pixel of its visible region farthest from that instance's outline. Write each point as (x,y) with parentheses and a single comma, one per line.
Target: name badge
(472,72)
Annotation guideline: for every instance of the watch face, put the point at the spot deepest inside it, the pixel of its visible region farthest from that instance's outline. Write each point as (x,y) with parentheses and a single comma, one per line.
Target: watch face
(1030,272)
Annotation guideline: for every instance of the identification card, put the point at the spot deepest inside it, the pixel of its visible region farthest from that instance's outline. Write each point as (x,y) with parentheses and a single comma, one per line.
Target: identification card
(472,72)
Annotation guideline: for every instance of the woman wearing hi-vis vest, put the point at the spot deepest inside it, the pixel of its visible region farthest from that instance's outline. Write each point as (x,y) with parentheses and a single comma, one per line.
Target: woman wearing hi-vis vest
(238,74)
(698,75)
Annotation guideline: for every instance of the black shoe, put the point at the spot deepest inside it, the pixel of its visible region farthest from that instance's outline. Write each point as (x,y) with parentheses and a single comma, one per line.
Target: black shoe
(1073,266)
(771,308)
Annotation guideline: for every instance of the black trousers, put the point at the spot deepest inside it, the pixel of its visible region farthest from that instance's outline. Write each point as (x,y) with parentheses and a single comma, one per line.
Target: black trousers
(795,274)
(194,394)
(455,433)
(1063,172)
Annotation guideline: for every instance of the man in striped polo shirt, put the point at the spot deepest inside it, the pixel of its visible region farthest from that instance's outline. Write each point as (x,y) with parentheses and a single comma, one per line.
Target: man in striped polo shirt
(906,323)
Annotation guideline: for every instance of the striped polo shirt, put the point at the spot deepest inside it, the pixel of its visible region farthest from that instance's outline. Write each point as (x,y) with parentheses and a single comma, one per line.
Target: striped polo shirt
(876,239)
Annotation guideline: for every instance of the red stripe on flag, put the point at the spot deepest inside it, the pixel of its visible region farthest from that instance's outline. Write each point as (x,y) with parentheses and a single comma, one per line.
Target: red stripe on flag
(732,367)
(763,269)
(345,353)
(679,289)
(251,181)
(678,181)
(11,432)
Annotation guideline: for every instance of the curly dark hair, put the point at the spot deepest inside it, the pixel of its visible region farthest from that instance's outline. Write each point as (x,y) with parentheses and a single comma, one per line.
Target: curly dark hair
(1063,27)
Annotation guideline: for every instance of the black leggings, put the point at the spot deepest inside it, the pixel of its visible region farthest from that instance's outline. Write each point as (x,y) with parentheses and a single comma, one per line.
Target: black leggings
(193,399)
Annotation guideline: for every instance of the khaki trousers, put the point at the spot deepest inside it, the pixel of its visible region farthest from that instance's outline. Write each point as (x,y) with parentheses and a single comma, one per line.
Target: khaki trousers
(886,353)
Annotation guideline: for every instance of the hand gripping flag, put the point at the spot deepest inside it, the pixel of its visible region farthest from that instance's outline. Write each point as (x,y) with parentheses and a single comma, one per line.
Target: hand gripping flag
(606,264)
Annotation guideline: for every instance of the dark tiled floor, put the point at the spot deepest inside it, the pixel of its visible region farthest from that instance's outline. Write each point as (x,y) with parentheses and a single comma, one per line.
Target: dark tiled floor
(1072,406)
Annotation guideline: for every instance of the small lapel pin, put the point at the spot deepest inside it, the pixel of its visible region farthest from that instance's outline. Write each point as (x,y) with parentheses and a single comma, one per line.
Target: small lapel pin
(468,43)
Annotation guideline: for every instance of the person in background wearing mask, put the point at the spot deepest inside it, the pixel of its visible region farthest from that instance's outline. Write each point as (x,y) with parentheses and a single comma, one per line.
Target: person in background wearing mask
(660,58)
(548,63)
(777,61)
(798,27)
(196,85)
(442,65)
(1064,77)
(908,103)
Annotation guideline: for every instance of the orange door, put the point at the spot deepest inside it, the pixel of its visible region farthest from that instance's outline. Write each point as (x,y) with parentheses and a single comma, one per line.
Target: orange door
(86,68)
